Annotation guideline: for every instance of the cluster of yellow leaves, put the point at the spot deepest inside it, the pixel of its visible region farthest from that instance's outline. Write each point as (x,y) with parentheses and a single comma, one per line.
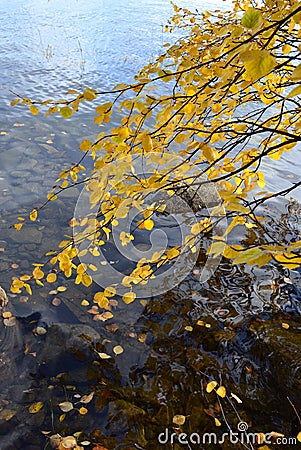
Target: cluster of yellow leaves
(227,63)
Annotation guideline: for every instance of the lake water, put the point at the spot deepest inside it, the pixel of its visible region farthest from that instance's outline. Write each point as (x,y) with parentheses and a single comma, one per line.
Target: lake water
(48,47)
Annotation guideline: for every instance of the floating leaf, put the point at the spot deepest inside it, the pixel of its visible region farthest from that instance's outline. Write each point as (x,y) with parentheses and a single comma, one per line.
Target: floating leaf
(217,422)
(61,289)
(178,419)
(128,297)
(7,414)
(35,407)
(66,406)
(104,355)
(68,442)
(299,436)
(83,411)
(87,398)
(118,350)
(51,278)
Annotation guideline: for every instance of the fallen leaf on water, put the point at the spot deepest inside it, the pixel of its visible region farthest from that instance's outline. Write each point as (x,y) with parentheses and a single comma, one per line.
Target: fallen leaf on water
(7,414)
(61,289)
(66,406)
(118,350)
(11,322)
(87,398)
(35,407)
(178,419)
(104,355)
(285,325)
(83,411)
(56,301)
(142,338)
(68,442)
(299,436)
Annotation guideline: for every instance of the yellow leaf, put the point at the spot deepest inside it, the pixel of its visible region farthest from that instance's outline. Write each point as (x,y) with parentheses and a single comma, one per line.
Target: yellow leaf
(85,145)
(85,303)
(14,102)
(128,297)
(28,288)
(148,224)
(104,355)
(258,63)
(66,406)
(66,112)
(299,436)
(34,110)
(147,144)
(33,215)
(18,226)
(38,273)
(83,411)
(295,91)
(210,386)
(217,422)
(221,391)
(178,419)
(62,417)
(251,18)
(248,256)
(51,278)
(61,289)
(35,407)
(296,75)
(118,350)
(101,300)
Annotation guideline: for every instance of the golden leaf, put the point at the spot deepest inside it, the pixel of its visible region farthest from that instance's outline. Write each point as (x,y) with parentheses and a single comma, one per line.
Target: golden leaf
(51,278)
(211,386)
(35,407)
(128,297)
(251,18)
(178,419)
(118,350)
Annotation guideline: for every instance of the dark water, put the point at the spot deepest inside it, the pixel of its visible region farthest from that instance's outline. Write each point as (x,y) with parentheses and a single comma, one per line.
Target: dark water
(48,47)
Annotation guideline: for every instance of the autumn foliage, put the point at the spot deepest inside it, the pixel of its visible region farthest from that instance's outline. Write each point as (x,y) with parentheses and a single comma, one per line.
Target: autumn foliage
(224,98)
